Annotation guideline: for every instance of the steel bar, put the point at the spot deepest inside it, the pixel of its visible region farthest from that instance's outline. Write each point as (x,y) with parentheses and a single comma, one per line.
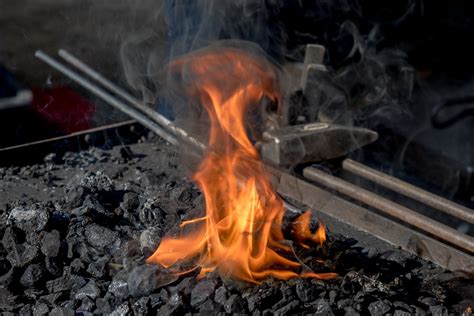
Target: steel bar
(334,208)
(409,190)
(391,208)
(155,116)
(138,116)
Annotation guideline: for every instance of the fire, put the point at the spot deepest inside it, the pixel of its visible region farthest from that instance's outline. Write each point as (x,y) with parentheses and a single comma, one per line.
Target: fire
(302,231)
(241,235)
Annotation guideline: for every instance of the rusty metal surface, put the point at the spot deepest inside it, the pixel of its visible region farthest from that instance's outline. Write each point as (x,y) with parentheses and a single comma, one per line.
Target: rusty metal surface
(409,190)
(391,208)
(360,218)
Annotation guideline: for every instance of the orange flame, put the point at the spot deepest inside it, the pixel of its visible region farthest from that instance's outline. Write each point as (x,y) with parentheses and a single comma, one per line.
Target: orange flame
(302,231)
(241,232)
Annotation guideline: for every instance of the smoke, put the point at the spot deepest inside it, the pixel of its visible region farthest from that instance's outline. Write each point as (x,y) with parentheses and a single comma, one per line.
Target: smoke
(363,85)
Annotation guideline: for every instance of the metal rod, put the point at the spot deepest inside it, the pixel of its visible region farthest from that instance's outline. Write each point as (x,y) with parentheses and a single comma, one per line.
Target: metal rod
(391,208)
(139,117)
(331,207)
(155,116)
(409,190)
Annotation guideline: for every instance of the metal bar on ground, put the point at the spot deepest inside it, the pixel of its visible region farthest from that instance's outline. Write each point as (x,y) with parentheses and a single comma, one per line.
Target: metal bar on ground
(391,208)
(409,190)
(138,116)
(155,116)
(339,209)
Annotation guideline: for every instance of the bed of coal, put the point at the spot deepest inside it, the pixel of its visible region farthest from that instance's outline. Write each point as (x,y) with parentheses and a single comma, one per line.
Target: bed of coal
(76,230)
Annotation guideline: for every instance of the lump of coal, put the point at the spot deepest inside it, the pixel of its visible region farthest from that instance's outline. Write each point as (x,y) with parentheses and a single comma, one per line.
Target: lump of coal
(122,310)
(119,288)
(33,275)
(97,268)
(100,237)
(22,254)
(62,311)
(142,280)
(97,182)
(202,291)
(221,295)
(379,308)
(89,290)
(33,219)
(234,304)
(50,244)
(150,238)
(322,307)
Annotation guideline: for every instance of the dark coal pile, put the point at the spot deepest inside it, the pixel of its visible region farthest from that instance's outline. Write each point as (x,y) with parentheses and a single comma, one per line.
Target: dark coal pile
(78,245)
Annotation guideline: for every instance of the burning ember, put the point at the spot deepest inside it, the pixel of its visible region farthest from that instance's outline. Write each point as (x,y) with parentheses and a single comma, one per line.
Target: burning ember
(240,236)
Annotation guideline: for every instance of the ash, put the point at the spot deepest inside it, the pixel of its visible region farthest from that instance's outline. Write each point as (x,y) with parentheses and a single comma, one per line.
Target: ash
(76,230)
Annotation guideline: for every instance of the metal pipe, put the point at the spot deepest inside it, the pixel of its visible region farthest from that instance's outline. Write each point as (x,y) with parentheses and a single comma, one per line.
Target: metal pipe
(155,116)
(391,208)
(139,117)
(409,190)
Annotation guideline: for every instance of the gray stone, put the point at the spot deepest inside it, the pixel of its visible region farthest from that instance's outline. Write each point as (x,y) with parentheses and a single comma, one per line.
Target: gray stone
(33,219)
(203,290)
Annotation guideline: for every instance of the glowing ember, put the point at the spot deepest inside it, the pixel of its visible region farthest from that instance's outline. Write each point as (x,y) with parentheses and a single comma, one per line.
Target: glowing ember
(241,232)
(302,231)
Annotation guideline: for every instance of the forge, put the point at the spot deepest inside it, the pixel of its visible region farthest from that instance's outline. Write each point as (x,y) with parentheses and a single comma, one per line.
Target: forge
(273,169)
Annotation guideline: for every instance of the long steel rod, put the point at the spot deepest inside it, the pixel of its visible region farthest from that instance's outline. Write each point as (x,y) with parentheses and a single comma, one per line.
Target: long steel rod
(409,190)
(139,117)
(155,116)
(391,208)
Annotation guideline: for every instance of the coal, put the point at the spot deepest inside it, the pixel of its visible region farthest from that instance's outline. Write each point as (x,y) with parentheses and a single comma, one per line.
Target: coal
(50,243)
(82,250)
(142,280)
(22,254)
(202,291)
(119,288)
(90,290)
(32,276)
(234,305)
(379,308)
(101,237)
(32,219)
